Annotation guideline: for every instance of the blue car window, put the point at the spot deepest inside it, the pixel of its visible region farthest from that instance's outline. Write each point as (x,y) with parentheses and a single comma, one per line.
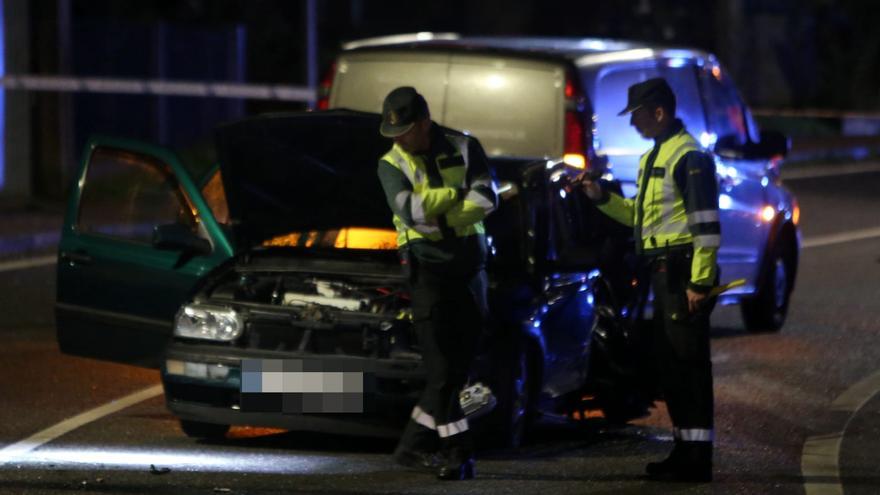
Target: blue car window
(615,135)
(724,107)
(127,194)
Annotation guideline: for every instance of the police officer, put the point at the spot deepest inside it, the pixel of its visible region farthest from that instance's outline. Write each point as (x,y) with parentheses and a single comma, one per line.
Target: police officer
(438,186)
(677,233)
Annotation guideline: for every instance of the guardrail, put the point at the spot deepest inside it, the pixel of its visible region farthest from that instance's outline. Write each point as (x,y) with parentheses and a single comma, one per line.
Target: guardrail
(818,134)
(158,87)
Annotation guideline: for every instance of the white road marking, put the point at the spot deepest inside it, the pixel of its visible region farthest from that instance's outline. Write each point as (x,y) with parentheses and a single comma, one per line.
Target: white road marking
(852,235)
(820,457)
(815,172)
(8,266)
(18,449)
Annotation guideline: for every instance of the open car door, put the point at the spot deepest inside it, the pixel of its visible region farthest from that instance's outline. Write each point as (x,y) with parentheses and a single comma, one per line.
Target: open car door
(137,237)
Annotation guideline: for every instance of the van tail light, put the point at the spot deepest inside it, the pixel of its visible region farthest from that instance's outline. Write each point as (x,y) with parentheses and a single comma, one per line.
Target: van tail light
(575,133)
(324,88)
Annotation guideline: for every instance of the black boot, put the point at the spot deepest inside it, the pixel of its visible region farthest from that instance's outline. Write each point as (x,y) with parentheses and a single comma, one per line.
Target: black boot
(417,448)
(666,465)
(456,464)
(416,459)
(688,462)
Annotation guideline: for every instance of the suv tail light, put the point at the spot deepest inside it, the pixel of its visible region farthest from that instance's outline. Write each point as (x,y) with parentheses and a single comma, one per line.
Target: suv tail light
(324,88)
(575,148)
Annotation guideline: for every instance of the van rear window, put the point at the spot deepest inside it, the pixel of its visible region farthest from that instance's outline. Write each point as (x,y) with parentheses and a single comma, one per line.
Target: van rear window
(513,106)
(616,136)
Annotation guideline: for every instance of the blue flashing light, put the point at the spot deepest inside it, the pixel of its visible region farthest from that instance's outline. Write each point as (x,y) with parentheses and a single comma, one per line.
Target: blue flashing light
(708,139)
(765,181)
(536,323)
(724,202)
(590,298)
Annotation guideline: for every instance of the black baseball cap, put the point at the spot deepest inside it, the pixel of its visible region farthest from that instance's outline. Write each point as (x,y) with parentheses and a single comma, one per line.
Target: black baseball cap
(655,92)
(402,108)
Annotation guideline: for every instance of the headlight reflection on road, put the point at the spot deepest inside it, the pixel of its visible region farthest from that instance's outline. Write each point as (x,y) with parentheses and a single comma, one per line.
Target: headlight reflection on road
(90,458)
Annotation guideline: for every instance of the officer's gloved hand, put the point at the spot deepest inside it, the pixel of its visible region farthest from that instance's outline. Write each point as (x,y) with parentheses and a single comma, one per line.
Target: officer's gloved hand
(592,189)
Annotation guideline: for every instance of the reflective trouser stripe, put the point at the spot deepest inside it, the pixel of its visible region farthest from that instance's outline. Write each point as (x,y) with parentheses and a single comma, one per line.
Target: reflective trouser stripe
(695,435)
(707,240)
(450,429)
(423,418)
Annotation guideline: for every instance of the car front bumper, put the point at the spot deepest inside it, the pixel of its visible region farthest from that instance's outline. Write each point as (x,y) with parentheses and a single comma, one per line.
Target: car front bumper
(203,382)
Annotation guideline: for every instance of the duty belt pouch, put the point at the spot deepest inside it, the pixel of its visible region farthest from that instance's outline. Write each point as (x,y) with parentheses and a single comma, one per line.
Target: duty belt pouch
(682,328)
(678,272)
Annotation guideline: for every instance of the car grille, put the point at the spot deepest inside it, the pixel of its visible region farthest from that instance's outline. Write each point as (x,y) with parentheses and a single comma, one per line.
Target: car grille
(318,339)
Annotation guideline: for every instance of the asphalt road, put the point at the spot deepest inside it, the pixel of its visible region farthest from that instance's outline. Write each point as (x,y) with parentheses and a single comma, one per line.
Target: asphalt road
(797,411)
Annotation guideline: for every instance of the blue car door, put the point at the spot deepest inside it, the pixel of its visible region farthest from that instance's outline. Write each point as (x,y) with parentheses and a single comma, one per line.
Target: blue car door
(741,181)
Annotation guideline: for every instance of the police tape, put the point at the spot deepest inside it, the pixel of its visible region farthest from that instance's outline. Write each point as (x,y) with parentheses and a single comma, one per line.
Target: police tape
(158,87)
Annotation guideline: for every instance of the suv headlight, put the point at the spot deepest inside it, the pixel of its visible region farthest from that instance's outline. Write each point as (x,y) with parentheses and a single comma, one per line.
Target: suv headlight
(202,321)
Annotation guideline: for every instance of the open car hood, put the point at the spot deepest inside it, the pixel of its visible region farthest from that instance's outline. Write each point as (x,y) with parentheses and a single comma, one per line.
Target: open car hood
(302,172)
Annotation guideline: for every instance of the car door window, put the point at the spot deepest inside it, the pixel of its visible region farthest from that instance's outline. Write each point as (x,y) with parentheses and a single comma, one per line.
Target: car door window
(215,195)
(614,132)
(574,235)
(126,195)
(724,109)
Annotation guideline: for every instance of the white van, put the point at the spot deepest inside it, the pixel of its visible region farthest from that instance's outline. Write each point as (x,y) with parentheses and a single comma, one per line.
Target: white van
(558,99)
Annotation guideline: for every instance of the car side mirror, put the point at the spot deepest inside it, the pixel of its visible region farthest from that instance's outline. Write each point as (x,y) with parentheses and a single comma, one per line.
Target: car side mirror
(179,237)
(773,144)
(730,146)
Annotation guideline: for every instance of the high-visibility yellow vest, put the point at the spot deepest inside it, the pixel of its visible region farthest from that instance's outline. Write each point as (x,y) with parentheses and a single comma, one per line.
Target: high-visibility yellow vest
(665,220)
(454,178)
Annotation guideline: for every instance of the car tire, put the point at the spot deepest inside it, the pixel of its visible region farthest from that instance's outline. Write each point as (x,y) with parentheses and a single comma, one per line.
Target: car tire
(207,431)
(767,310)
(624,386)
(508,424)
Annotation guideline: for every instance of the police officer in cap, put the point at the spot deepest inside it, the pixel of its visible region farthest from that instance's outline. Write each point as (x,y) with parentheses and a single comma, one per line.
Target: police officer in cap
(677,233)
(438,186)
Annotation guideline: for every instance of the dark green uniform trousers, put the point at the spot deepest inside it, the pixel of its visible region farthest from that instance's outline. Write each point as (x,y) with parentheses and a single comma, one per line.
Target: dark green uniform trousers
(449,308)
(681,346)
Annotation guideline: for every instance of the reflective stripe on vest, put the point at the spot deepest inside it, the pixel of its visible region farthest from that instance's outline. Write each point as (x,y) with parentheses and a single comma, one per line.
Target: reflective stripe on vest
(665,221)
(415,171)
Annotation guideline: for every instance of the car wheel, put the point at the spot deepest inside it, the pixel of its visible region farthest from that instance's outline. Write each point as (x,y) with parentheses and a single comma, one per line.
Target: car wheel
(209,431)
(508,424)
(766,312)
(622,376)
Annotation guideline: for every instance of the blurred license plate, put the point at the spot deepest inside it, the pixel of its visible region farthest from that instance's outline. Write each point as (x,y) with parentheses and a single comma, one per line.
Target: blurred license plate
(295,386)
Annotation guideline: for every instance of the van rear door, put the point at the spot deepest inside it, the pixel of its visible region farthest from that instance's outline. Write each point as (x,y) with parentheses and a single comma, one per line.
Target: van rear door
(514,106)
(363,79)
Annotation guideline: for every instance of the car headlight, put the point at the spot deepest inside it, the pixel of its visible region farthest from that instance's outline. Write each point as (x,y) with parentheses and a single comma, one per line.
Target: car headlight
(202,321)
